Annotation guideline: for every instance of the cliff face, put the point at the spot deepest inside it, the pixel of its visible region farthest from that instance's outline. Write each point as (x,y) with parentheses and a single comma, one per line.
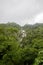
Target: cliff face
(23,33)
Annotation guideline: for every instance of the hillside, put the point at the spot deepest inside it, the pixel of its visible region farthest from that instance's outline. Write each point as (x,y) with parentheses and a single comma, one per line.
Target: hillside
(14,51)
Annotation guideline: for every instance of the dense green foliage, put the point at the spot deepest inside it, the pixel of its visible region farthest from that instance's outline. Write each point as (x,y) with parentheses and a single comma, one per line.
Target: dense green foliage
(28,51)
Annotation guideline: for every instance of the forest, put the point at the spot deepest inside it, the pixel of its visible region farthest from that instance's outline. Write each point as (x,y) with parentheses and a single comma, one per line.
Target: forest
(21,45)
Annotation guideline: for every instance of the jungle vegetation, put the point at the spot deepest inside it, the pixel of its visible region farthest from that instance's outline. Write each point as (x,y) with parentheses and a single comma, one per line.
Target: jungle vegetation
(28,51)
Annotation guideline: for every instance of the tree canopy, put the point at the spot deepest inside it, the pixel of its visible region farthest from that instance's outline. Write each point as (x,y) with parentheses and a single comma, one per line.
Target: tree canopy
(28,51)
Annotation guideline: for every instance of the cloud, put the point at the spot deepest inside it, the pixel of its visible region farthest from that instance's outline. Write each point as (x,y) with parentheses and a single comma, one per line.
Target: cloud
(20,11)
(39,18)
(36,19)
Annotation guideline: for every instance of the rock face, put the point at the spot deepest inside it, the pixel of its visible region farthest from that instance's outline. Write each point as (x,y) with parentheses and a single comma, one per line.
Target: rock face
(23,33)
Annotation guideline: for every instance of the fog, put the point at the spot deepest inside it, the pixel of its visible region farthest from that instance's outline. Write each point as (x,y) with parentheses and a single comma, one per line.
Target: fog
(21,11)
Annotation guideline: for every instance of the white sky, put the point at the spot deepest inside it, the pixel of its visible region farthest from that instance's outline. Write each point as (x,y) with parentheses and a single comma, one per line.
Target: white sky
(21,11)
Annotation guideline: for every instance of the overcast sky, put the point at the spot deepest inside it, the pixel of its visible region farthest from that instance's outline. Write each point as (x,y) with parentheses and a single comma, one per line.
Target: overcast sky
(21,11)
